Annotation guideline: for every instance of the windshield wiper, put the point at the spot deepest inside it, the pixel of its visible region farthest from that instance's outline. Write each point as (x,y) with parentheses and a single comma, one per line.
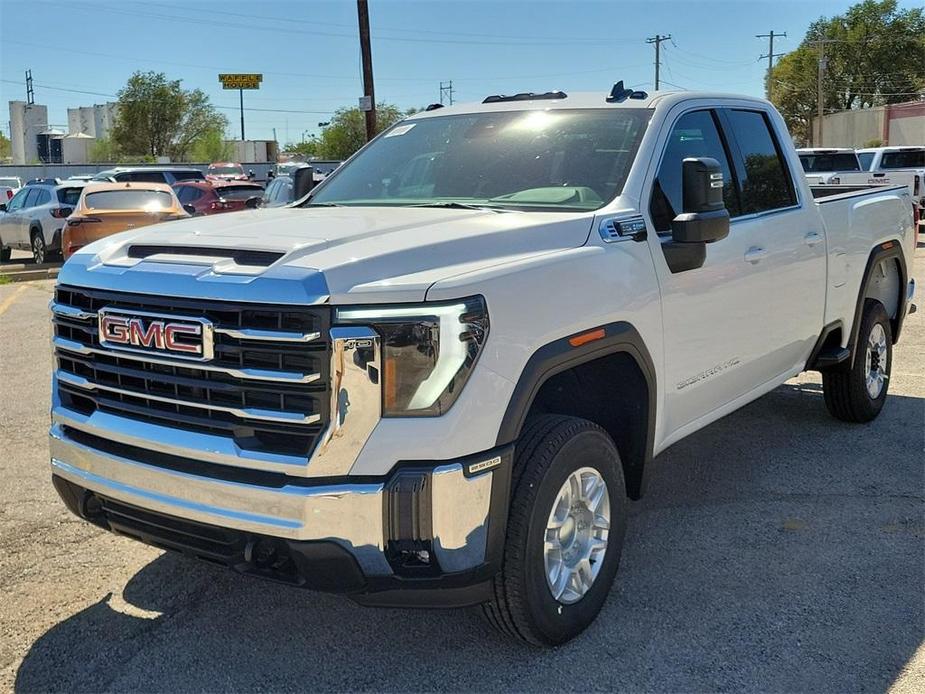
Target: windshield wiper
(321,204)
(456,205)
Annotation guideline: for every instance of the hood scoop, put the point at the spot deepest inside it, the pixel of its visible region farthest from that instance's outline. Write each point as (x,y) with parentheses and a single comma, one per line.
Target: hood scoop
(239,256)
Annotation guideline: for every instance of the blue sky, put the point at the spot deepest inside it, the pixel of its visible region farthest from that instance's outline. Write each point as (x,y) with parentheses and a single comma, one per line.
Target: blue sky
(309,51)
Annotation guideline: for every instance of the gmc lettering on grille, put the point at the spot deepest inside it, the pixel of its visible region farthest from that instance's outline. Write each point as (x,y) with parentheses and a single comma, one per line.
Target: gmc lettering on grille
(188,339)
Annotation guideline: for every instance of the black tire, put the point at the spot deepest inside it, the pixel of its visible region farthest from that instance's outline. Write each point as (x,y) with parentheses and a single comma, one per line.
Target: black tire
(39,250)
(550,448)
(5,254)
(846,394)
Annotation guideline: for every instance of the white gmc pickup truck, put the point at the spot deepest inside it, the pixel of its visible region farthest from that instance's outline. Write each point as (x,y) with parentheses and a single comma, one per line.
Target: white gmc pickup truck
(439,378)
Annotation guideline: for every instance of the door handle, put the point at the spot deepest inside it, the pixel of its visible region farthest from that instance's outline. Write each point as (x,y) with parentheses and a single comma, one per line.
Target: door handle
(812,239)
(755,254)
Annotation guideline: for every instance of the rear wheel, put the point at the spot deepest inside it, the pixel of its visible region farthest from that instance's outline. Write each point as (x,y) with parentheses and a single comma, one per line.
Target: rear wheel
(565,531)
(39,251)
(858,394)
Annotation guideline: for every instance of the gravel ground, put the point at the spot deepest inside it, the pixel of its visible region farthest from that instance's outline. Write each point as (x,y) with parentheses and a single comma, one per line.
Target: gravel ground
(776,550)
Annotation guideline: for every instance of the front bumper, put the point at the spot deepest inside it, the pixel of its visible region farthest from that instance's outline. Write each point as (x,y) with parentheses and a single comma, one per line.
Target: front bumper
(425,527)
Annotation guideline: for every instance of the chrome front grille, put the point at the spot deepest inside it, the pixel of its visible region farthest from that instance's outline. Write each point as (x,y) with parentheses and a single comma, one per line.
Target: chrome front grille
(266,387)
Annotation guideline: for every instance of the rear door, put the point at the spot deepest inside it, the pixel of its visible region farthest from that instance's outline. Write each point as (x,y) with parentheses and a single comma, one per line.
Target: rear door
(787,251)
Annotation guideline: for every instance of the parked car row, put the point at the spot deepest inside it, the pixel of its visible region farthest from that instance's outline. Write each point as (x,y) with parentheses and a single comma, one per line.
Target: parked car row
(849,170)
(54,217)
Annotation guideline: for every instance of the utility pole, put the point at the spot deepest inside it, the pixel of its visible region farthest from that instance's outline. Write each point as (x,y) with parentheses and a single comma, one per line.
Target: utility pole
(446,89)
(241,95)
(367,53)
(770,56)
(820,95)
(657,40)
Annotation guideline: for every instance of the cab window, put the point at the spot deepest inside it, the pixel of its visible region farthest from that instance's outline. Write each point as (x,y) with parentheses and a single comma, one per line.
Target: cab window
(764,176)
(695,134)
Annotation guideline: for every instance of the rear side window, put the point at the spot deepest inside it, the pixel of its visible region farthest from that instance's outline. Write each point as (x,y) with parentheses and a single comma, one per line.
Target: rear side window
(69,196)
(42,197)
(866,159)
(694,135)
(141,177)
(764,176)
(188,175)
(903,160)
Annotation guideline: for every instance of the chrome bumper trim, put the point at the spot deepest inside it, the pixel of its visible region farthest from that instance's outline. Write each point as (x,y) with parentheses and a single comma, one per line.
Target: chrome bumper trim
(349,514)
(246,374)
(245,413)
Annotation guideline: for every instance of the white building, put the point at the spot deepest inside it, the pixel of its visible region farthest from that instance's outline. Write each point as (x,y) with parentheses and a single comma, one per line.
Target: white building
(95,121)
(26,122)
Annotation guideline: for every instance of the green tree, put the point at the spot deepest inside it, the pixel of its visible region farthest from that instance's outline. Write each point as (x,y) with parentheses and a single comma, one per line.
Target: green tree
(309,148)
(212,146)
(875,54)
(157,117)
(102,151)
(346,132)
(6,148)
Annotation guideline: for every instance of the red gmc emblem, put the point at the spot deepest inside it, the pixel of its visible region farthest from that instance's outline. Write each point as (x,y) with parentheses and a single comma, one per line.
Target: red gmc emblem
(185,338)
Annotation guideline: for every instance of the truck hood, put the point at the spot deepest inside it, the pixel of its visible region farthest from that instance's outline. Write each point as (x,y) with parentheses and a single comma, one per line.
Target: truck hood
(341,254)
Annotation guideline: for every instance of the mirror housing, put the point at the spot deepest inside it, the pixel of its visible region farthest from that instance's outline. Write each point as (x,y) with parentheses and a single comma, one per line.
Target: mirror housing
(189,208)
(2,207)
(705,218)
(303,180)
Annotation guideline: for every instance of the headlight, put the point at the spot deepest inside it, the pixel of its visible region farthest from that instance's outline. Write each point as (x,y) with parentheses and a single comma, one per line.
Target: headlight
(428,351)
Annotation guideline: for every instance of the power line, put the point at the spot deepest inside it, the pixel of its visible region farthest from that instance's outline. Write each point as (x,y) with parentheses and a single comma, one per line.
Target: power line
(657,41)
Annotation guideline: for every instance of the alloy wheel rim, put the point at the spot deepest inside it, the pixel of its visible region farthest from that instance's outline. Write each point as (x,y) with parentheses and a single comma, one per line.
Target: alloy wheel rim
(38,250)
(576,535)
(875,373)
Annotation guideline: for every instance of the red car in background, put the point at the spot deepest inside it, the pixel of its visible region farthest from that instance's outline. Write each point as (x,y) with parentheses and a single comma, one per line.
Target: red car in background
(226,171)
(213,197)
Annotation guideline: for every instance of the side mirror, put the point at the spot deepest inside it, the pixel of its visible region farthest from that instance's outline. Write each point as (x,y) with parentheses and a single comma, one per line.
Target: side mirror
(189,208)
(271,175)
(704,219)
(303,180)
(2,207)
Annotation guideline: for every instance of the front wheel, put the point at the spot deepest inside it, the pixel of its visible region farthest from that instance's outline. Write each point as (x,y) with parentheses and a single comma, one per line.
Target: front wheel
(5,254)
(565,531)
(858,394)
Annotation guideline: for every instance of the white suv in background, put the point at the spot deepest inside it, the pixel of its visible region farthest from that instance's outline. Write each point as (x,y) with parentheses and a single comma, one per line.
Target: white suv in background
(34,218)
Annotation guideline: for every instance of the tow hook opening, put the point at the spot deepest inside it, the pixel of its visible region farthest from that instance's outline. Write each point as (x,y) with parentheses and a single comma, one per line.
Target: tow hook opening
(267,554)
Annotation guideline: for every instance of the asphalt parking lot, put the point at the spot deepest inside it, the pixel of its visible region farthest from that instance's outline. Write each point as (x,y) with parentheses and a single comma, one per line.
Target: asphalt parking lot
(777,550)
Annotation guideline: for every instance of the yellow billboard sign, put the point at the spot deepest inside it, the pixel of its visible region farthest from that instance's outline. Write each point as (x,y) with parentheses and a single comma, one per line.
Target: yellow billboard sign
(238,80)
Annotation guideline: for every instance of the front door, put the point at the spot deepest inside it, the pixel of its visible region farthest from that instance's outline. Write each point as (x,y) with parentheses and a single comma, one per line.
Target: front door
(712,315)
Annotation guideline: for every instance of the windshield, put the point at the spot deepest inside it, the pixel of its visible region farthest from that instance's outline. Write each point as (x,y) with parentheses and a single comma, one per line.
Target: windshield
(912,159)
(239,192)
(69,196)
(11,182)
(146,200)
(553,160)
(846,161)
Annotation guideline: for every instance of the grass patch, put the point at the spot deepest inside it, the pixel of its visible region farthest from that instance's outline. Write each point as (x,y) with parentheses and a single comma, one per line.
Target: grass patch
(4,279)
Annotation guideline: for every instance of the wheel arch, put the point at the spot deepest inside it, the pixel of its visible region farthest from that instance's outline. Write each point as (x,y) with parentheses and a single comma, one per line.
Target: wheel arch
(605,375)
(889,288)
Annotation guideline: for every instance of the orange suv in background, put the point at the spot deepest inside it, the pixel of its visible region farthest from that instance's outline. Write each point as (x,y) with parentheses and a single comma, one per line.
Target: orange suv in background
(105,209)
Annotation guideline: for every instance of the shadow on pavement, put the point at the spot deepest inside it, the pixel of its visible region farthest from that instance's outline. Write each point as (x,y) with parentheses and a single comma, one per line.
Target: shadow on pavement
(775,550)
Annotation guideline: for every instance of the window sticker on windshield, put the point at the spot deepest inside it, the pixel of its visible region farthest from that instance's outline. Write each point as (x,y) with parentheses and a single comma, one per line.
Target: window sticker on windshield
(400,130)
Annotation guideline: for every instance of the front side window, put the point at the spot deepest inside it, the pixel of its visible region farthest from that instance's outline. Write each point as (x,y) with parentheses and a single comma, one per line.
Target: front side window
(764,175)
(147,200)
(695,134)
(552,159)
(913,159)
(19,200)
